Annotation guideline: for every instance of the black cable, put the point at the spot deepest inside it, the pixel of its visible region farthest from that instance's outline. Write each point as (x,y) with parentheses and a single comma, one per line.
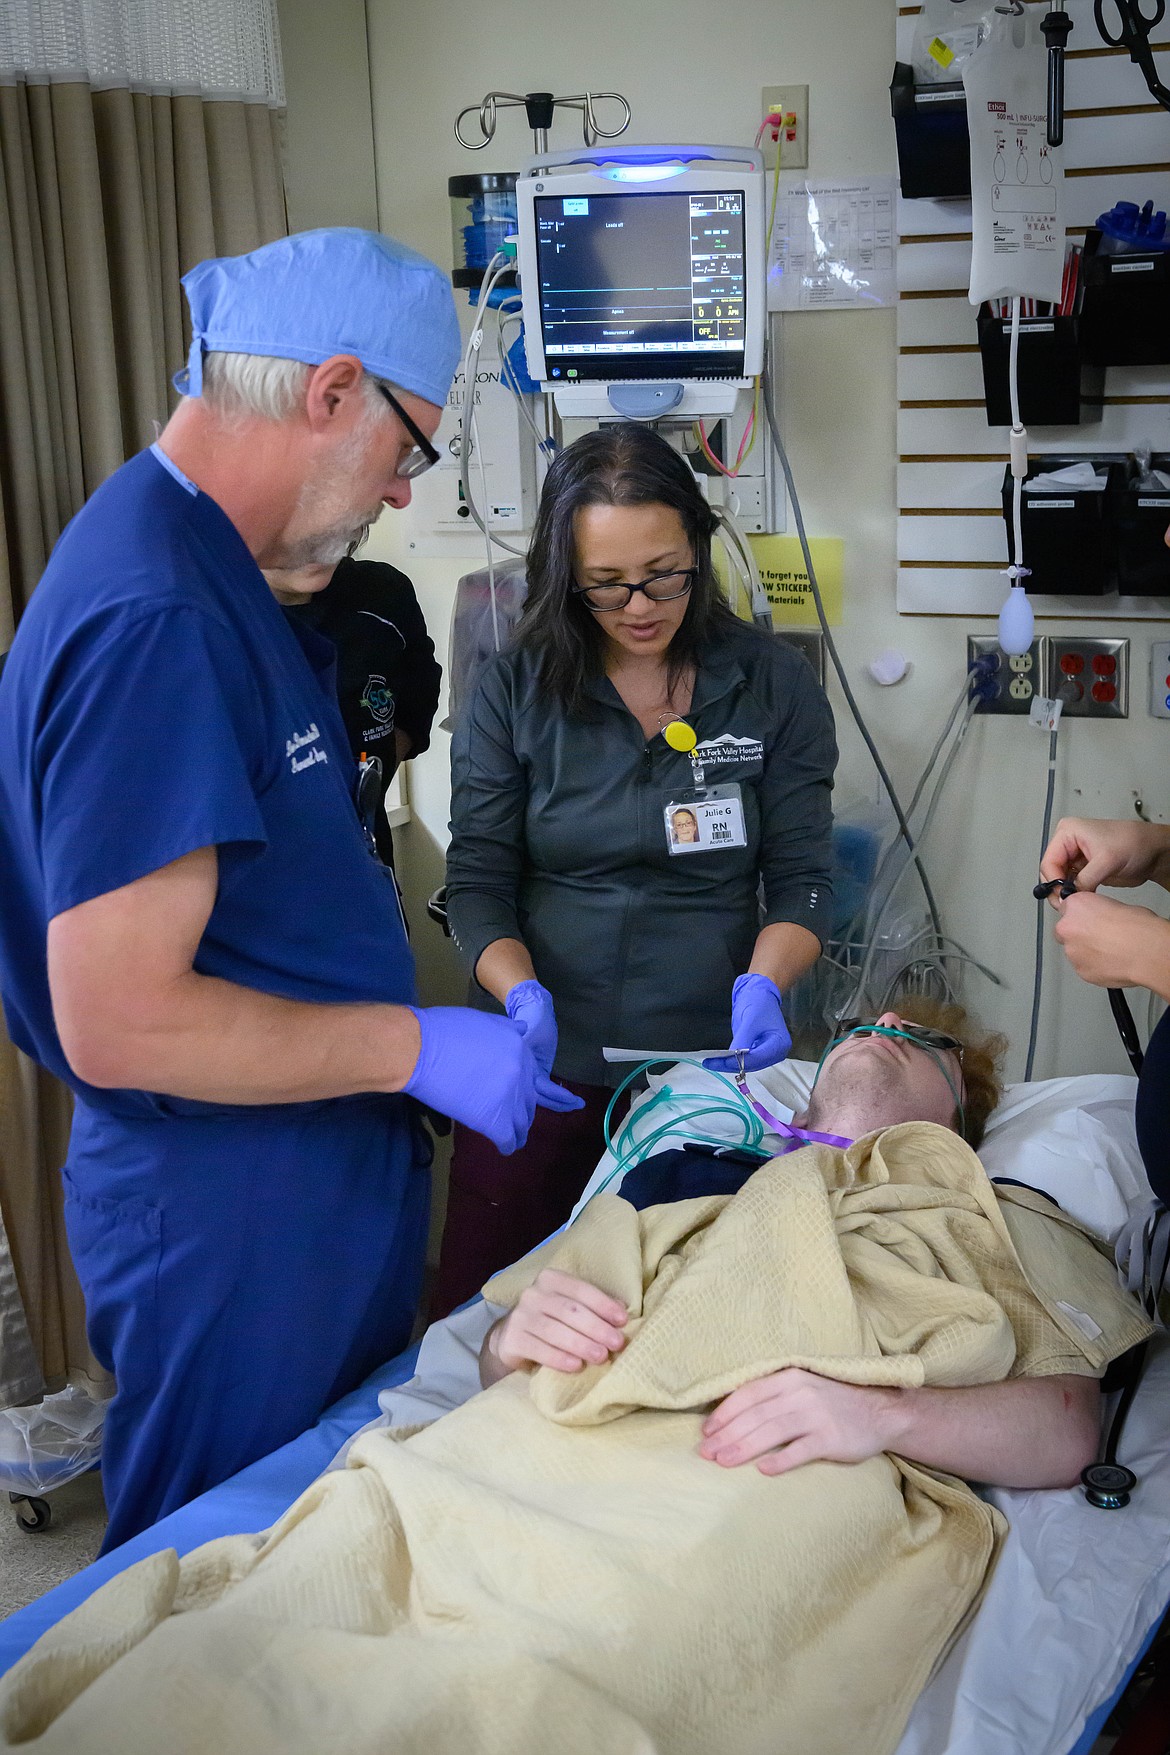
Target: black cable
(1126,1029)
(1038,975)
(831,648)
(1134,1362)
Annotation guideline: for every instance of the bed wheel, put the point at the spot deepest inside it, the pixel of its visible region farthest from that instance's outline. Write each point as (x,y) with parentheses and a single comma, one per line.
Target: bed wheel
(31,1514)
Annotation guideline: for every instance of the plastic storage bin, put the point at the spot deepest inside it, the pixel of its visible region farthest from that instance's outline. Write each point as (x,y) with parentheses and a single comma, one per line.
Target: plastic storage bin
(934,146)
(1058,388)
(483,214)
(1139,518)
(1067,539)
(1125,318)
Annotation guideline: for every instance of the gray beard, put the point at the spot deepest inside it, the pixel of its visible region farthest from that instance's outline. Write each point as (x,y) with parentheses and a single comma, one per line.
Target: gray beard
(327,547)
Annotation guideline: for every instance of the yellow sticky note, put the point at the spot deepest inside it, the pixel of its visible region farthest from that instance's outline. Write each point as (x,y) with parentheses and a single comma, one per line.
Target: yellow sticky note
(785,578)
(941,53)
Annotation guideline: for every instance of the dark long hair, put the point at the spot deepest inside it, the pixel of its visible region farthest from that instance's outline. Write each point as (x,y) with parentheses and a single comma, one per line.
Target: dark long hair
(621,465)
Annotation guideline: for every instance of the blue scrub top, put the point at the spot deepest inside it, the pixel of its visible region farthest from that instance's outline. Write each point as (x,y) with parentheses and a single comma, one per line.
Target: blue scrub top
(156,700)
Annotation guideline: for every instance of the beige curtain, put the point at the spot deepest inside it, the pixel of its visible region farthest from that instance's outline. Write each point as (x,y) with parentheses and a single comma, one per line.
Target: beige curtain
(106,199)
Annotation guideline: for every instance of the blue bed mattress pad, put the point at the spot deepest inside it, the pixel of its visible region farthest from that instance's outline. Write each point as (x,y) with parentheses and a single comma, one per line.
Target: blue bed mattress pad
(251,1500)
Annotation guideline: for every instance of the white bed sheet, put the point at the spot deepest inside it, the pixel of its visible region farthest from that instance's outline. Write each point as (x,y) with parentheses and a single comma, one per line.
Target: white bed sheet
(1075,1590)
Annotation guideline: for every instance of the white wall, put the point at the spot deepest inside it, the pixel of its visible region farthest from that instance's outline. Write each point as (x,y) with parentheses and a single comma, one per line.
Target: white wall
(692,72)
(329,137)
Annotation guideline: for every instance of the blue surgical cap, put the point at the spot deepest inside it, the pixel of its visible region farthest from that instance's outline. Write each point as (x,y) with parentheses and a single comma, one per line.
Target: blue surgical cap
(316,294)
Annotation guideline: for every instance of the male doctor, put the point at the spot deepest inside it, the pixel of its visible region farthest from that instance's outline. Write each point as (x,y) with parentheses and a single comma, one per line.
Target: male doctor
(194,932)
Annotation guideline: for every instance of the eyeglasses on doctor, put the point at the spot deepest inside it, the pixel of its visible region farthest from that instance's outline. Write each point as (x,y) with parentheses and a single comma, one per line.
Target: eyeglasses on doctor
(423,456)
(659,588)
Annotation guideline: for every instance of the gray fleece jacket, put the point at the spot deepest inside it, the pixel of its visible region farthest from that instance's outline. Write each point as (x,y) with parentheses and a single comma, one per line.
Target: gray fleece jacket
(558,839)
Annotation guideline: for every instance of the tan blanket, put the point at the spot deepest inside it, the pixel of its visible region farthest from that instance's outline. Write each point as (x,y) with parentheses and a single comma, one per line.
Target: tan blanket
(552,1567)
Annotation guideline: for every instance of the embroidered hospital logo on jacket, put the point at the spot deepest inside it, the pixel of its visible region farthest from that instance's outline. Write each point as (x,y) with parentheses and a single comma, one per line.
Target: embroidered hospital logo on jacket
(728,751)
(307,741)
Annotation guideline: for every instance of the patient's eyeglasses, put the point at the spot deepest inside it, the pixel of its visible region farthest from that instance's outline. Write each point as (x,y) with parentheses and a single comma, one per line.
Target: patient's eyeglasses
(917,1033)
(423,456)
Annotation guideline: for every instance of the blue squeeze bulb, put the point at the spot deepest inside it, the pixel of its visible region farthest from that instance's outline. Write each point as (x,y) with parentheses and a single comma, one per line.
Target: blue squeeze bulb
(1017,623)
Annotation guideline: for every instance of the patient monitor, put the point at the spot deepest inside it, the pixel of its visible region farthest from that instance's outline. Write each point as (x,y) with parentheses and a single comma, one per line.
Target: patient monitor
(643,278)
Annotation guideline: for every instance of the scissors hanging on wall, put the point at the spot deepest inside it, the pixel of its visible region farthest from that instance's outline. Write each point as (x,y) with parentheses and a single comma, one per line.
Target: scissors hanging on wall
(1132,33)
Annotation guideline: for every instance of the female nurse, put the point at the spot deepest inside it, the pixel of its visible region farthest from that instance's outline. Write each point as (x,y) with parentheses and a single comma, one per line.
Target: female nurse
(630,693)
(1120,944)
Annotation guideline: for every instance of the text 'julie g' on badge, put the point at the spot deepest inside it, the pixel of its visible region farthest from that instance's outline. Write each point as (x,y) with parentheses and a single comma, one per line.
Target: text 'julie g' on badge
(705,824)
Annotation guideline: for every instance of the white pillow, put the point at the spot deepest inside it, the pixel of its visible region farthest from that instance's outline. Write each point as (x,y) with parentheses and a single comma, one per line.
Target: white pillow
(1071,1138)
(1075,1139)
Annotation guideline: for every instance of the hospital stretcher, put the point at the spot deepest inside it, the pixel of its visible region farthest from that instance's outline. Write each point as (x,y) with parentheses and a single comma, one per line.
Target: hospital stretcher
(1077,1593)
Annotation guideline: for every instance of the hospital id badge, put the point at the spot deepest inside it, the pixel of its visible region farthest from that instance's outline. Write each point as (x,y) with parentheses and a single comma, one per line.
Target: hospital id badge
(706,821)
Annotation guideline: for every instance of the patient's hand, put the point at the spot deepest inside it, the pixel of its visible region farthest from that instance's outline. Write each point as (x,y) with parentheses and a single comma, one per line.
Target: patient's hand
(795,1417)
(559,1321)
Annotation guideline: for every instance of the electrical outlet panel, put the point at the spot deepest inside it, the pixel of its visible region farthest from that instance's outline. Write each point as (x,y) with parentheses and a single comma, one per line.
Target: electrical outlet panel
(810,643)
(1089,677)
(1160,679)
(791,102)
(1014,683)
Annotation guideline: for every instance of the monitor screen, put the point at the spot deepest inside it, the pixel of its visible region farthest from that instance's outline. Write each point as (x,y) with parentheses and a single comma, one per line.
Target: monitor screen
(642,285)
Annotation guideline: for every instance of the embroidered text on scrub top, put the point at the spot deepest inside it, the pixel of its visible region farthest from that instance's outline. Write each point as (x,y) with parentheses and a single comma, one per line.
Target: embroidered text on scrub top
(299,741)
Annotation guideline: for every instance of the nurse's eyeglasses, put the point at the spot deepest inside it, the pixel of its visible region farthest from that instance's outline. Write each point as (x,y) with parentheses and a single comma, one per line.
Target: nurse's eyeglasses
(659,588)
(423,456)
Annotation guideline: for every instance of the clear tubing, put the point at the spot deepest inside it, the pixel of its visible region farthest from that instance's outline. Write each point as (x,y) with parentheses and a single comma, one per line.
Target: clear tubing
(835,656)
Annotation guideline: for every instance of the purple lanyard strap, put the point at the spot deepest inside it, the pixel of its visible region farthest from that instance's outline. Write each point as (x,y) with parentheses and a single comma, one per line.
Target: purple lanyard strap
(794,1136)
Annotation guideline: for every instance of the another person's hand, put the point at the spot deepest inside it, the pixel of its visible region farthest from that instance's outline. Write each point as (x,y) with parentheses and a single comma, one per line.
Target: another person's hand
(758,1029)
(481,1071)
(1099,851)
(1111,944)
(531,1006)
(561,1322)
(795,1417)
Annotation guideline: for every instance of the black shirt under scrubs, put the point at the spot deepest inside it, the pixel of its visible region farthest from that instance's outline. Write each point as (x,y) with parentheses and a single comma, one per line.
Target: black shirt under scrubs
(559,839)
(387,674)
(1153,1110)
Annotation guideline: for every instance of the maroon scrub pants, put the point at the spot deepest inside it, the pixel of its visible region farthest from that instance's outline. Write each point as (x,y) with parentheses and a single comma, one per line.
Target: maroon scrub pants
(498,1208)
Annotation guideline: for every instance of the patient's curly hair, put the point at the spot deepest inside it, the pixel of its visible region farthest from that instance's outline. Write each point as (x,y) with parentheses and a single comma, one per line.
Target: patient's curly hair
(982,1057)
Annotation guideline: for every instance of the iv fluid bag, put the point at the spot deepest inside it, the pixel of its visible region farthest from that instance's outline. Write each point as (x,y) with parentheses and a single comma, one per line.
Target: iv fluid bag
(1017,179)
(947,34)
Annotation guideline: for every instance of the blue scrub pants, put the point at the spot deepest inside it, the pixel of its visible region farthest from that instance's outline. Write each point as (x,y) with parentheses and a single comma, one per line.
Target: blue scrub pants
(241,1270)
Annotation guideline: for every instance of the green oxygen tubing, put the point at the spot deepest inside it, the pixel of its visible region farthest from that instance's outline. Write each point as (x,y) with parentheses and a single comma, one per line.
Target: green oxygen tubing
(631,1146)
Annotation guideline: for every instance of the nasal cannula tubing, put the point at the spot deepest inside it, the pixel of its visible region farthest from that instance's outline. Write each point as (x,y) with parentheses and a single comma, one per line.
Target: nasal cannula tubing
(630,1152)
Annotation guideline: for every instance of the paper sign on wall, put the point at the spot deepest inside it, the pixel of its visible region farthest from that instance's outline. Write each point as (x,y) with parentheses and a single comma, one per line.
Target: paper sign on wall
(785,578)
(832,246)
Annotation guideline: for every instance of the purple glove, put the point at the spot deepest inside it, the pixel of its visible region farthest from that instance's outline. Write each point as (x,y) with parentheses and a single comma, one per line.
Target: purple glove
(481,1071)
(758,1029)
(531,1006)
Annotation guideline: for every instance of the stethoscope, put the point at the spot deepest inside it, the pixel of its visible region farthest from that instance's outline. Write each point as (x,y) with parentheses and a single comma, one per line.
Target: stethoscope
(1108,1483)
(1118,1004)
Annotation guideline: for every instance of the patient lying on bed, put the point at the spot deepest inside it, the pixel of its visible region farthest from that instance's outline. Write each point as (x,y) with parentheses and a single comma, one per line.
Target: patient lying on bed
(575,1559)
(1023,1432)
